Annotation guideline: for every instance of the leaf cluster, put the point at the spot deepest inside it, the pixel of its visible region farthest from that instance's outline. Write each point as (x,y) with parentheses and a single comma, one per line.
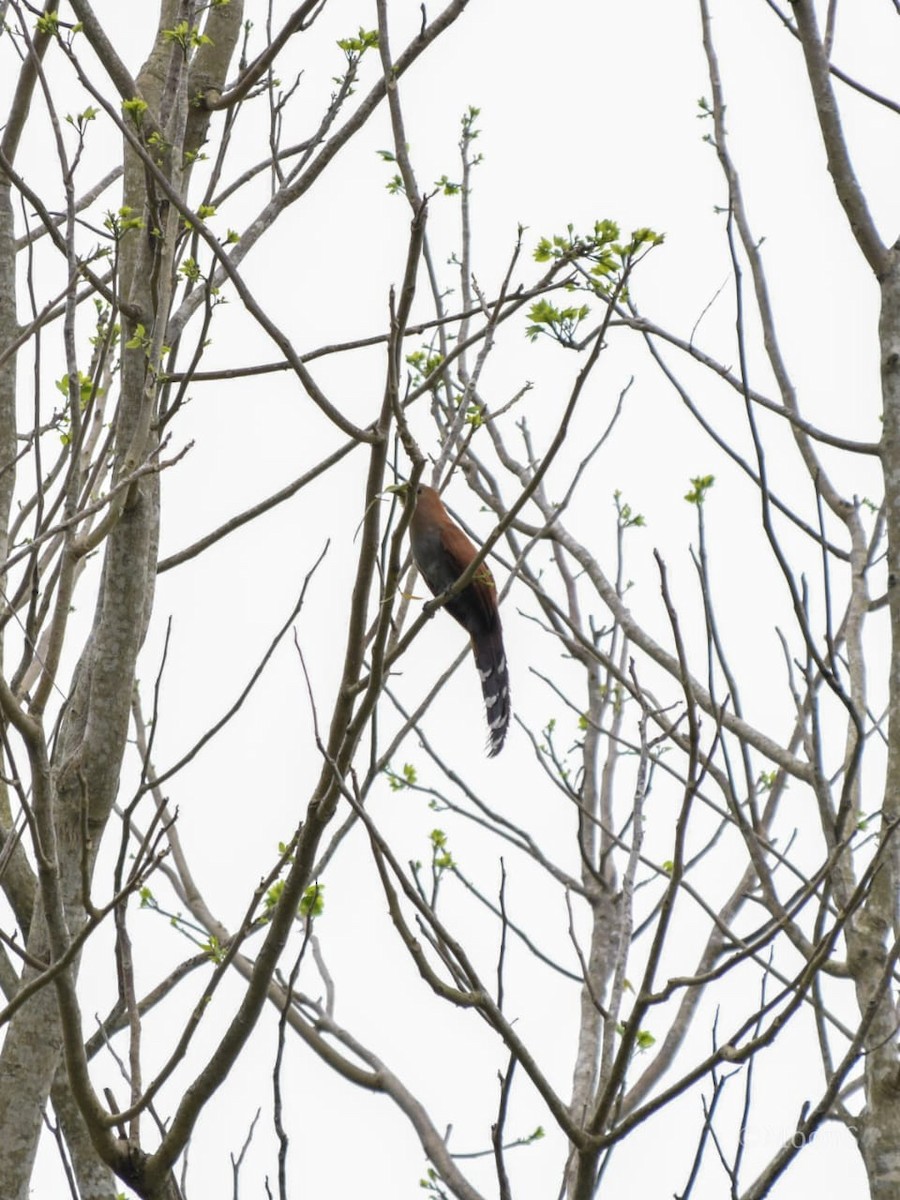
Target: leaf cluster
(602,261)
(355,47)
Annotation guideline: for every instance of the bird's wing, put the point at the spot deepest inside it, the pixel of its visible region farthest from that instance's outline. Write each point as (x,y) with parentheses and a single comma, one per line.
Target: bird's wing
(482,591)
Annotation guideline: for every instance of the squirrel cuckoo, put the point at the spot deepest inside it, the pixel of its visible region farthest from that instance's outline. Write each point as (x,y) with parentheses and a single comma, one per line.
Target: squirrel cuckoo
(442,552)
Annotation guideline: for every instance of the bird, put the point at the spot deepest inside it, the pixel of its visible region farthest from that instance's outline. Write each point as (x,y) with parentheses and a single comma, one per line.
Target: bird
(442,552)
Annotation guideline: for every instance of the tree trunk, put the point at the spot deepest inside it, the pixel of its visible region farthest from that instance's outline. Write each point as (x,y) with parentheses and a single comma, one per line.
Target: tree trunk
(83,777)
(879,1134)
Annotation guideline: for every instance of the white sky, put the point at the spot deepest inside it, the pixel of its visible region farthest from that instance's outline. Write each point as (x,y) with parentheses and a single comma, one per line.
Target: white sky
(588,110)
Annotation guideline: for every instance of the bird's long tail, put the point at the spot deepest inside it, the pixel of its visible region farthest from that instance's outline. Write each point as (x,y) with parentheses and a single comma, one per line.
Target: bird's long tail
(490,659)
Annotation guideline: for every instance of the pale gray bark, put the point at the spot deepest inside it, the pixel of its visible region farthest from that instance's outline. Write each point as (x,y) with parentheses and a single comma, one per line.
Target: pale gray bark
(20,1129)
(879,1138)
(82,779)
(613,1090)
(94,1179)
(75,789)
(877,926)
(8,326)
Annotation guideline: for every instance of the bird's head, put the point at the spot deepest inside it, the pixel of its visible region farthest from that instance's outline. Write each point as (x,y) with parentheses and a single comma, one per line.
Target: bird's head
(426,500)
(402,490)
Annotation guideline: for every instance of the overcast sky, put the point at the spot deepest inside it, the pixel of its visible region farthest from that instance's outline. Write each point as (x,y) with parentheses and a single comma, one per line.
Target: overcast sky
(589,109)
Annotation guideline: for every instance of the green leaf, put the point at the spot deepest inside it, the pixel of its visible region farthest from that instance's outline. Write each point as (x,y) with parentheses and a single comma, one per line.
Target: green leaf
(135,108)
(85,388)
(627,517)
(89,114)
(273,895)
(212,947)
(448,188)
(139,339)
(441,858)
(424,363)
(313,901)
(558,323)
(355,47)
(406,778)
(600,253)
(700,485)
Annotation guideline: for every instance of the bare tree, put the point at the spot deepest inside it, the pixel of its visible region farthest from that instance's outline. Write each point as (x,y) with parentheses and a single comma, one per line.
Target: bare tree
(702,868)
